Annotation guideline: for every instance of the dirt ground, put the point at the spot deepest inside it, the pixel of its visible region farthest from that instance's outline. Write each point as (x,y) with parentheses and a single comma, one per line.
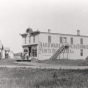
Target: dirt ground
(33,64)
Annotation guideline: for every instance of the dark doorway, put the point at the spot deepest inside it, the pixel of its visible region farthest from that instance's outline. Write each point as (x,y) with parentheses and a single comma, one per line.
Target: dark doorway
(6,55)
(29,51)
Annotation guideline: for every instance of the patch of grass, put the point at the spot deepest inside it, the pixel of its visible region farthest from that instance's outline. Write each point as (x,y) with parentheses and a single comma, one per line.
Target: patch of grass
(66,62)
(42,78)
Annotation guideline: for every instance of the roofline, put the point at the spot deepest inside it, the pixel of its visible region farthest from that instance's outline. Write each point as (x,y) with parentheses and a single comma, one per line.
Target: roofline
(55,33)
(35,32)
(31,33)
(64,34)
(29,45)
(23,34)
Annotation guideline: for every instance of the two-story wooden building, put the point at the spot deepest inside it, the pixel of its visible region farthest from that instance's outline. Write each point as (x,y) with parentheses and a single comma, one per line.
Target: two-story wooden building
(47,45)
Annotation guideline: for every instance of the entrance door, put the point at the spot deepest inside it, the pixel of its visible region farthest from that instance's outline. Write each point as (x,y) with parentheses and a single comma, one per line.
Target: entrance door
(29,51)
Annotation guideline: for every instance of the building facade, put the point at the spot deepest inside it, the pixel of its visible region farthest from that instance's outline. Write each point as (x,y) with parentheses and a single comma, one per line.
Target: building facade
(47,45)
(5,52)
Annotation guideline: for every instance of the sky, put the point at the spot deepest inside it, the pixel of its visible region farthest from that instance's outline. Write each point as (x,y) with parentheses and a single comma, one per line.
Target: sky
(60,16)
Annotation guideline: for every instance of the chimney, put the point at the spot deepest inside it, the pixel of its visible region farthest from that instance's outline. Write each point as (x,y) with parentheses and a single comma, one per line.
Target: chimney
(78,32)
(49,31)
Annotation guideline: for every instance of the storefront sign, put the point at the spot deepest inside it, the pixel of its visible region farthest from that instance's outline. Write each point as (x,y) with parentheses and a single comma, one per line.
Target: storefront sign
(50,48)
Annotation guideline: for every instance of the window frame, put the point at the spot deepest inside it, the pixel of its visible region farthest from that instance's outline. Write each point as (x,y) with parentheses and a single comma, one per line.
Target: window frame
(34,52)
(71,40)
(49,39)
(24,40)
(81,41)
(81,52)
(61,39)
(64,39)
(29,39)
(33,39)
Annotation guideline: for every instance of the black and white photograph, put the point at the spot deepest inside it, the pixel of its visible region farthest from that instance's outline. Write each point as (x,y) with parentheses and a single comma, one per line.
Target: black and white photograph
(43,43)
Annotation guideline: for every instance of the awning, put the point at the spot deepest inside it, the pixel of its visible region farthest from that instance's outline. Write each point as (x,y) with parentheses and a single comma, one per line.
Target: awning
(28,45)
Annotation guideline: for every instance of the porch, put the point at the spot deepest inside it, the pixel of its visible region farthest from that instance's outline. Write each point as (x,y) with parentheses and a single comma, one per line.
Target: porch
(31,51)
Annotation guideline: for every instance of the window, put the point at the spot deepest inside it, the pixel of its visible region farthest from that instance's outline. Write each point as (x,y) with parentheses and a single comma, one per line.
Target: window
(25,40)
(49,39)
(29,39)
(81,52)
(34,52)
(33,39)
(60,39)
(81,41)
(71,40)
(25,50)
(64,39)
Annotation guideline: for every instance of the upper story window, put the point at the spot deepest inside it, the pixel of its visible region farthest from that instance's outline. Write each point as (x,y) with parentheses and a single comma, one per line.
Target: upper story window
(81,40)
(64,39)
(71,40)
(49,39)
(60,39)
(29,39)
(25,40)
(33,39)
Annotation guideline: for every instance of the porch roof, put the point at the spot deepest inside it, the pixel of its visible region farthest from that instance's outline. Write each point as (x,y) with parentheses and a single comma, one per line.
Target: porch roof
(27,45)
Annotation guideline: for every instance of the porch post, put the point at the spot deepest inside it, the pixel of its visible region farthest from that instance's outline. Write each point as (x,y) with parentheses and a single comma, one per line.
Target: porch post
(67,54)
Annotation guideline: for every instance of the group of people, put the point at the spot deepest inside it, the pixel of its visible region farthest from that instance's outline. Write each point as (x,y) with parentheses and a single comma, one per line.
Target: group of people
(25,56)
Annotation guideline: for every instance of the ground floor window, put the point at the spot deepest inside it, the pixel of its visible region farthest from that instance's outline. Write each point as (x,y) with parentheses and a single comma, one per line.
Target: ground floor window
(34,52)
(81,52)
(25,50)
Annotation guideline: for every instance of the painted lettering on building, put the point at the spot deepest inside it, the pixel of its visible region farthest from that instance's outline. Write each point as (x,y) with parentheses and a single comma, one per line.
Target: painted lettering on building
(51,48)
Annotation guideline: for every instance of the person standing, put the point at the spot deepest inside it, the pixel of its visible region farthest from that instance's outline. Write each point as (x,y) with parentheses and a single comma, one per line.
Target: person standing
(27,56)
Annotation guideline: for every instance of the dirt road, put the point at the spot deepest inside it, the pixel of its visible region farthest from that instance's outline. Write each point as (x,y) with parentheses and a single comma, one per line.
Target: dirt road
(13,63)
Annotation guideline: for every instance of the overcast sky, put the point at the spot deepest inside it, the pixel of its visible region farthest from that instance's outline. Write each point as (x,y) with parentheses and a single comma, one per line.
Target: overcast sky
(62,16)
